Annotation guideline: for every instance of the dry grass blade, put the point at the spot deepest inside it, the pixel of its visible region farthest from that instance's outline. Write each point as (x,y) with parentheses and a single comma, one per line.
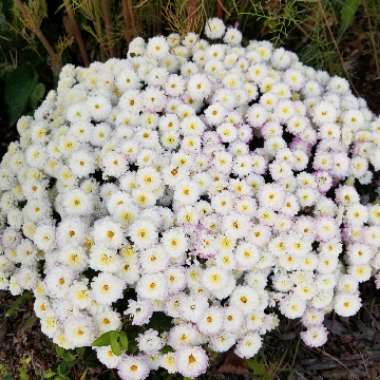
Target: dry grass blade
(31,17)
(333,40)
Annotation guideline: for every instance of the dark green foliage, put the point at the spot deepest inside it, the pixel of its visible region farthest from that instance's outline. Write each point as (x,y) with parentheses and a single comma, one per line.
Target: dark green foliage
(23,91)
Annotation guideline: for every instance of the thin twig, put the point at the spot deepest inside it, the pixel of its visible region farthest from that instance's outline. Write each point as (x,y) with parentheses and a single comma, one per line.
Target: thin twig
(335,360)
(76,33)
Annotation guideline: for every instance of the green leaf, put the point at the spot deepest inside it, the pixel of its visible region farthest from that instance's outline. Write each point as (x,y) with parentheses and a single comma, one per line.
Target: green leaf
(49,373)
(23,374)
(37,95)
(118,340)
(259,369)
(347,14)
(18,87)
(103,340)
(63,370)
(115,343)
(23,371)
(65,355)
(17,304)
(124,340)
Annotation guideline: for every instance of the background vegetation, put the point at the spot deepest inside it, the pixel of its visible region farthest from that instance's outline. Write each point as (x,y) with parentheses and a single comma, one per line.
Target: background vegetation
(37,37)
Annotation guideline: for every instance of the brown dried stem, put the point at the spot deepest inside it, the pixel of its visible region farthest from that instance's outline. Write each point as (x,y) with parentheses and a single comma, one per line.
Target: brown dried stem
(74,29)
(106,13)
(219,8)
(192,9)
(129,20)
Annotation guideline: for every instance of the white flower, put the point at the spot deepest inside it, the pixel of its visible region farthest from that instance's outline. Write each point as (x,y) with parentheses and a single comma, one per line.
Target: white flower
(44,237)
(186,192)
(153,259)
(152,287)
(133,368)
(108,233)
(149,342)
(346,305)
(214,28)
(193,306)
(107,357)
(248,346)
(77,202)
(99,107)
(215,279)
(245,299)
(114,164)
(211,321)
(293,307)
(191,361)
(257,115)
(58,281)
(79,331)
(82,163)
(176,279)
(199,87)
(140,311)
(168,362)
(246,255)
(143,233)
(324,112)
(158,47)
(127,78)
(233,36)
(315,336)
(107,288)
(271,196)
(104,259)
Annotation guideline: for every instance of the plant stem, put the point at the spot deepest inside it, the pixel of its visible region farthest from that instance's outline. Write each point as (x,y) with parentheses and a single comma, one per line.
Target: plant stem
(98,28)
(129,20)
(76,33)
(106,12)
(191,14)
(219,8)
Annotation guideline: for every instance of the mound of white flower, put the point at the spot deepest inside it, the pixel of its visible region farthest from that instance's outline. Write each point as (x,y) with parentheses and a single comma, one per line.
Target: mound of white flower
(215,183)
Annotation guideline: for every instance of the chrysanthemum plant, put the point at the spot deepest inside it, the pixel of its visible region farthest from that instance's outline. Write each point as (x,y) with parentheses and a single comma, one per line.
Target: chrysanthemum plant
(215,183)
